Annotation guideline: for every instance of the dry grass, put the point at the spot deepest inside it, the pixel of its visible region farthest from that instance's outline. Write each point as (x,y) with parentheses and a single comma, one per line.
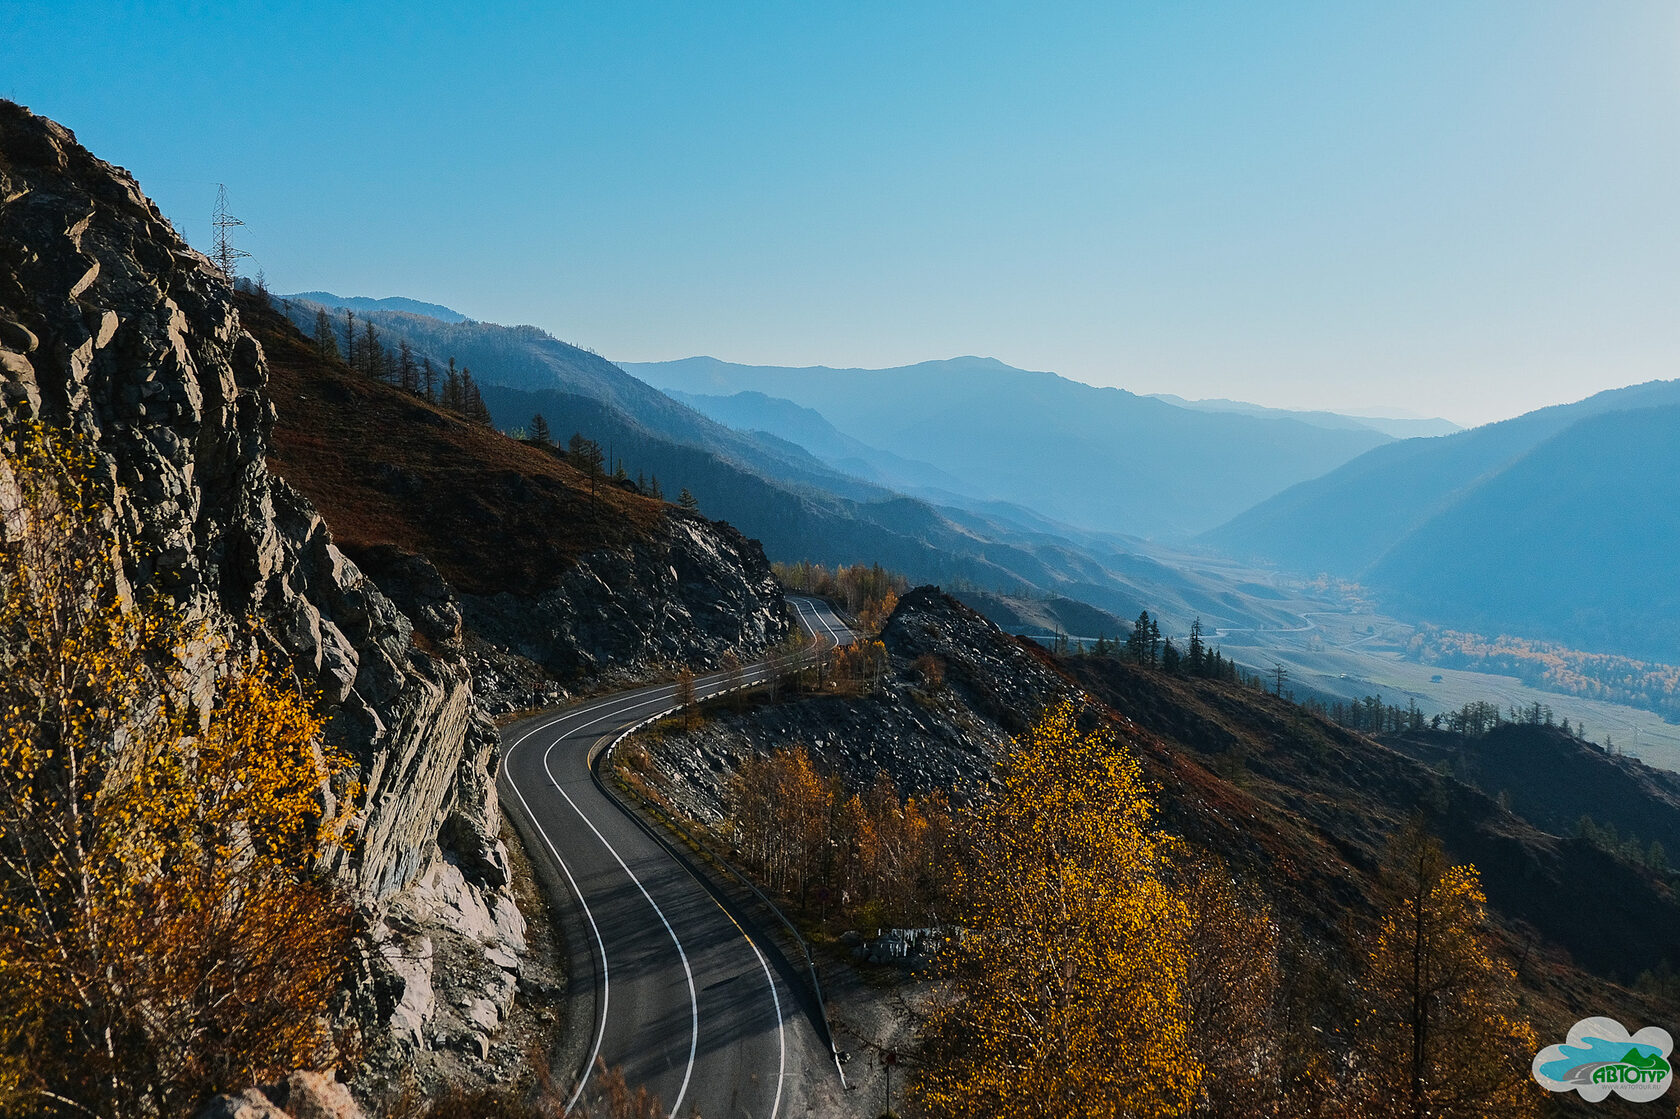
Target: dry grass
(383,467)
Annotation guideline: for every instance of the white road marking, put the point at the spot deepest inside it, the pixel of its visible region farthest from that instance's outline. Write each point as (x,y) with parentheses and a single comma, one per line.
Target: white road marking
(618,705)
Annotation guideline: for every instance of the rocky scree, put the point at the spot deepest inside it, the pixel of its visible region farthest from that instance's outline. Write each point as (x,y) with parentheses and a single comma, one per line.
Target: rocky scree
(695,590)
(924,734)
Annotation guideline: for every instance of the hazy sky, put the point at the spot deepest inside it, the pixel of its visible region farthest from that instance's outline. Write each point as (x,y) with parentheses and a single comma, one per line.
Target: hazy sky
(1460,208)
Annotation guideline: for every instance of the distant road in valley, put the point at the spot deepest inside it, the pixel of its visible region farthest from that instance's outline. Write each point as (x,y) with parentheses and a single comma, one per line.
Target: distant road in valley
(689,1003)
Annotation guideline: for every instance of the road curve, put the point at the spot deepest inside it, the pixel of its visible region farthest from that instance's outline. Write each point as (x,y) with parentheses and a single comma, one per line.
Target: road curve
(687,1003)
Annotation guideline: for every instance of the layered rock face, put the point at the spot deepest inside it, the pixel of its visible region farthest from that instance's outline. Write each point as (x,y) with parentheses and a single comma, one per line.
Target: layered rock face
(696,590)
(112,327)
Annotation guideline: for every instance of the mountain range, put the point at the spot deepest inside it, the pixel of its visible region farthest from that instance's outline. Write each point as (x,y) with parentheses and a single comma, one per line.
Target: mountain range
(1560,523)
(799,506)
(1099,458)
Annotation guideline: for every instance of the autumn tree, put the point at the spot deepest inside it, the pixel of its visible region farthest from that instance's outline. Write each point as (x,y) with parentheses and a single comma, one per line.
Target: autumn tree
(687,702)
(164,800)
(875,613)
(780,809)
(1231,990)
(1440,1035)
(1068,991)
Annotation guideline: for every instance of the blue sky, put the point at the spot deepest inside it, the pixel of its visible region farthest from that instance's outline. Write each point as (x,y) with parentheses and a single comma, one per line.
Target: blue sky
(1459,208)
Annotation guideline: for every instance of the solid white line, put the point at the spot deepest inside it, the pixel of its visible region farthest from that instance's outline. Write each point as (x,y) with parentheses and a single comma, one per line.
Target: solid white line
(781,1034)
(600,943)
(693,996)
(621,704)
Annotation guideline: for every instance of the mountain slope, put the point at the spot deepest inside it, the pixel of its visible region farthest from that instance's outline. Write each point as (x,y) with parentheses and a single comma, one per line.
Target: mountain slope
(360,303)
(574,579)
(798,506)
(1575,541)
(806,427)
(1100,458)
(1344,521)
(1399,427)
(530,360)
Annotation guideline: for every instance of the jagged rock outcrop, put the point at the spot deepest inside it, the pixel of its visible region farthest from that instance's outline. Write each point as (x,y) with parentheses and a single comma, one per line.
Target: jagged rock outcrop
(956,689)
(693,591)
(301,1095)
(112,327)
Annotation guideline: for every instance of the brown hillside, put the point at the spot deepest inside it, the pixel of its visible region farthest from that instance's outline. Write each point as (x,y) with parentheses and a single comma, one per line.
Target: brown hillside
(385,468)
(1305,807)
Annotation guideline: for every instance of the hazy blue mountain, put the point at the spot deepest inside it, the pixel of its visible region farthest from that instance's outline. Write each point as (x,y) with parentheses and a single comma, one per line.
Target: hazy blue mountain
(1578,540)
(360,303)
(799,506)
(1100,458)
(806,427)
(1346,520)
(1398,427)
(530,359)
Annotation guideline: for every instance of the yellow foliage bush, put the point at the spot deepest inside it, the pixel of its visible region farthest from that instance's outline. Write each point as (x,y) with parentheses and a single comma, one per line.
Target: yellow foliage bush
(164,933)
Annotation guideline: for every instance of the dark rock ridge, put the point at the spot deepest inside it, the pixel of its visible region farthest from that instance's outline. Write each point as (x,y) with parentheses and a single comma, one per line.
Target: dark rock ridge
(112,327)
(693,591)
(956,689)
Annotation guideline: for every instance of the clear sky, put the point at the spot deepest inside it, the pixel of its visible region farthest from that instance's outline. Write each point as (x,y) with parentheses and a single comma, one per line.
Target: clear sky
(1460,208)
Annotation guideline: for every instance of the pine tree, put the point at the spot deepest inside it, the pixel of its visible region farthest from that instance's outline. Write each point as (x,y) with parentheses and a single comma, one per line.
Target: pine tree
(450,398)
(472,401)
(428,379)
(586,456)
(326,343)
(1197,653)
(1137,644)
(687,500)
(408,374)
(653,488)
(539,430)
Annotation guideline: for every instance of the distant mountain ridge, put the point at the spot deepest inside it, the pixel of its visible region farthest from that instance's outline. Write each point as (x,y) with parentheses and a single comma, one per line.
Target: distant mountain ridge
(1101,458)
(1397,427)
(796,504)
(1561,523)
(806,427)
(390,303)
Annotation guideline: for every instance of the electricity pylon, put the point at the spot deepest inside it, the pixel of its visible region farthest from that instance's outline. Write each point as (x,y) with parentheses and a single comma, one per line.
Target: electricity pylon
(226,256)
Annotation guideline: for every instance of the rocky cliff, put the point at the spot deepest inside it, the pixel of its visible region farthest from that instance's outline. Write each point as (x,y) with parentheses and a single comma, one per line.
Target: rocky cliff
(114,328)
(111,326)
(560,581)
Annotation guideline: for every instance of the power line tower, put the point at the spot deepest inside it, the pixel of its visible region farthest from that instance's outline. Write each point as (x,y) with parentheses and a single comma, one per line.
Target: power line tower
(226,256)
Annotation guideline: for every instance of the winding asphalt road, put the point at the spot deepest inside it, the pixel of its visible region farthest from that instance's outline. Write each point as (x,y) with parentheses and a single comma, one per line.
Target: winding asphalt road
(703,1012)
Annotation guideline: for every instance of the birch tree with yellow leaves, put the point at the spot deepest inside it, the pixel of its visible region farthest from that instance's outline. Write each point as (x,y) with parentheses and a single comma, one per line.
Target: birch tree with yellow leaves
(1068,993)
(163,931)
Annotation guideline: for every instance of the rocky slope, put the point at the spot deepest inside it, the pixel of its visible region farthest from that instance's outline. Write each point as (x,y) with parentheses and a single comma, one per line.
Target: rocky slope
(558,582)
(111,326)
(956,688)
(1295,805)
(114,328)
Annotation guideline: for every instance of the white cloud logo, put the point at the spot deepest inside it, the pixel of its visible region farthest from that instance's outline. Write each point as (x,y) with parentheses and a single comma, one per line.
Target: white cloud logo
(1601,1057)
